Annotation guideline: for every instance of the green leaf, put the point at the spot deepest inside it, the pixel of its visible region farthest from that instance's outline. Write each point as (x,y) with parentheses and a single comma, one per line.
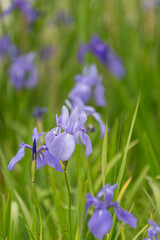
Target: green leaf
(82,225)
(122,234)
(7,218)
(123,163)
(11,233)
(34,221)
(104,154)
(152,159)
(30,233)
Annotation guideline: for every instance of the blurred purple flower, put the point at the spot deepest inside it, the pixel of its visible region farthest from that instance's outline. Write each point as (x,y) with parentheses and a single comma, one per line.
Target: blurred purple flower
(62,145)
(101,221)
(64,18)
(23,73)
(25,7)
(87,83)
(41,154)
(153,231)
(149,4)
(7,47)
(46,52)
(88,110)
(104,53)
(38,112)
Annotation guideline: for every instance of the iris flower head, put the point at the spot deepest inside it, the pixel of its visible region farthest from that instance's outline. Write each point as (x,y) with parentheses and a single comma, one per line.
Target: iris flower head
(25,7)
(40,154)
(87,84)
(101,221)
(23,72)
(153,231)
(62,144)
(104,53)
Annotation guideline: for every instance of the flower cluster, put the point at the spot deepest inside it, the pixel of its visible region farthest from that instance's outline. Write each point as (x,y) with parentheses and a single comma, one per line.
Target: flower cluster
(153,231)
(101,221)
(25,7)
(41,154)
(105,54)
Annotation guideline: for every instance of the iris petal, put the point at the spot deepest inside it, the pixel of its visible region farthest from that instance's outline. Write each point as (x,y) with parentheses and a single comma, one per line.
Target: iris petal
(100,223)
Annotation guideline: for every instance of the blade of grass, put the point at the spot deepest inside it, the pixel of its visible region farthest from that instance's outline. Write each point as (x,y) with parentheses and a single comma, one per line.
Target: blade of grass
(104,154)
(122,167)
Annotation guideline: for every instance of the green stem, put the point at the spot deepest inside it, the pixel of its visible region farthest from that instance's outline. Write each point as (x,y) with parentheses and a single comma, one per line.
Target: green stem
(35,193)
(69,203)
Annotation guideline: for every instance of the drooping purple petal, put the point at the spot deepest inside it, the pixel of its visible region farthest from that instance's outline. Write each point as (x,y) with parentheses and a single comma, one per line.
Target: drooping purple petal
(125,216)
(100,223)
(17,158)
(62,147)
(51,161)
(86,141)
(99,97)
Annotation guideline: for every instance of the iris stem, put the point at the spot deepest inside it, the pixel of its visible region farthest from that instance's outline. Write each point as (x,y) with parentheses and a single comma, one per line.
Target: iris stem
(69,203)
(36,198)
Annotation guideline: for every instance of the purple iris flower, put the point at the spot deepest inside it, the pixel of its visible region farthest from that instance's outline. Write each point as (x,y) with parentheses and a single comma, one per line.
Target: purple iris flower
(25,7)
(88,83)
(153,231)
(23,73)
(7,47)
(38,112)
(104,53)
(88,110)
(42,155)
(62,145)
(101,221)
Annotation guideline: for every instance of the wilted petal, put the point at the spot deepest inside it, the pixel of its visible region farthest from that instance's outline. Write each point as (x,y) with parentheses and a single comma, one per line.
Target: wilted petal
(125,216)
(100,223)
(17,158)
(86,141)
(62,147)
(99,97)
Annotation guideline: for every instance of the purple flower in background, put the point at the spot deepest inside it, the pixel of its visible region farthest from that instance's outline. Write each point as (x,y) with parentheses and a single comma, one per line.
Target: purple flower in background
(7,47)
(89,111)
(149,4)
(64,18)
(41,154)
(23,73)
(153,231)
(101,221)
(87,83)
(104,53)
(25,7)
(62,145)
(38,112)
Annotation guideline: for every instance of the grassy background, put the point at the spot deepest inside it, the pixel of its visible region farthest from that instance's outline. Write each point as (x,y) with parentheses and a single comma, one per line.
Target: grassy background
(134,34)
